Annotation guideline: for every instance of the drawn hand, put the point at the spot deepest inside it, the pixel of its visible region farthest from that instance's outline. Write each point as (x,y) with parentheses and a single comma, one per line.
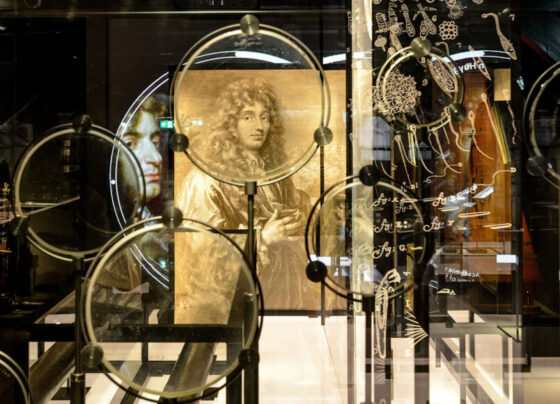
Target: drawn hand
(278,229)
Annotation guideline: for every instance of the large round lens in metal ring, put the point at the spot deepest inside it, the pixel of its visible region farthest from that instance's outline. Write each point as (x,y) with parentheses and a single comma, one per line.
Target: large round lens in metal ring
(65,185)
(250,104)
(176,343)
(367,236)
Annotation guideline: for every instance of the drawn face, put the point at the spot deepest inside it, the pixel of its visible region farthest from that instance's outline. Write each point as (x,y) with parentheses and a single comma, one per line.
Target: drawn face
(144,142)
(253,126)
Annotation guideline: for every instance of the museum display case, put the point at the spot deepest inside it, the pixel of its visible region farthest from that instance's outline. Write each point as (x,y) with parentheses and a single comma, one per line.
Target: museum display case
(280,201)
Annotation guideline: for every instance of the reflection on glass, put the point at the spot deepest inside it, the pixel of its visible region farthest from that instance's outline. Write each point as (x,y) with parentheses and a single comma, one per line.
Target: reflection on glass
(542,125)
(142,134)
(65,185)
(363,233)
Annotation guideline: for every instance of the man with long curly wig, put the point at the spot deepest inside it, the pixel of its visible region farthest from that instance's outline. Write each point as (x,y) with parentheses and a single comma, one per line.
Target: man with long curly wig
(248,139)
(248,135)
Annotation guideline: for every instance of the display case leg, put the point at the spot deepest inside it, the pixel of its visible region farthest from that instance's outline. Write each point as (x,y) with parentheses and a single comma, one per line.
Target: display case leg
(368,309)
(251,374)
(233,390)
(78,378)
(323,304)
(78,388)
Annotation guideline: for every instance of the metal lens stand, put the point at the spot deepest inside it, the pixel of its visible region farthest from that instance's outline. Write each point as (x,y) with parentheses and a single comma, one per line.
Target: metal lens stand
(189,364)
(250,25)
(81,126)
(251,376)
(250,358)
(78,377)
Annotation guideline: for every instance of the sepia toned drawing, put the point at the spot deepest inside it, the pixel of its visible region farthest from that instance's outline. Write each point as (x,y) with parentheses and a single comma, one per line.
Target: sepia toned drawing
(249,130)
(248,136)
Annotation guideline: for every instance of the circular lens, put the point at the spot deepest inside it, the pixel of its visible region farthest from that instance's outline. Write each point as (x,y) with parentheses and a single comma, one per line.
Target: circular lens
(171,344)
(250,105)
(367,236)
(65,183)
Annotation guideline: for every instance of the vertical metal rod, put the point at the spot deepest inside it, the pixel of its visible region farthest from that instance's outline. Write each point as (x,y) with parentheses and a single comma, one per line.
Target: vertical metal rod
(78,378)
(233,391)
(251,190)
(517,183)
(350,334)
(251,377)
(321,190)
(350,306)
(321,171)
(368,303)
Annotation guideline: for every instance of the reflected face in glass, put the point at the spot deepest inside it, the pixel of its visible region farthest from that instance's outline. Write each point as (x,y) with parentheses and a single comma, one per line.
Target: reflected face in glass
(340,210)
(143,139)
(253,126)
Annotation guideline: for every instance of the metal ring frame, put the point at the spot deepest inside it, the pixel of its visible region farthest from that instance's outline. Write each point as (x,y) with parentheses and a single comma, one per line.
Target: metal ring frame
(529,111)
(407,53)
(231,30)
(310,226)
(64,130)
(18,374)
(118,241)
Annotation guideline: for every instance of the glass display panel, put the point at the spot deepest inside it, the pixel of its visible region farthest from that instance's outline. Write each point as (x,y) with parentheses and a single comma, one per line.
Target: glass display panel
(479,317)
(418,85)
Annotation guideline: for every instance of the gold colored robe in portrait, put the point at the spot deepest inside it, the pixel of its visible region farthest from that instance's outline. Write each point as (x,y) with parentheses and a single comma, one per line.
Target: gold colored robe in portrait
(281,267)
